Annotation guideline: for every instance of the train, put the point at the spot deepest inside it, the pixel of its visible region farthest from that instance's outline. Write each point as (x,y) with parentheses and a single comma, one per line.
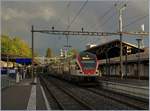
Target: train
(82,67)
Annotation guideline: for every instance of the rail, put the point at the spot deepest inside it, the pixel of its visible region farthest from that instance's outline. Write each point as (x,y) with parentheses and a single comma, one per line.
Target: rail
(50,92)
(72,95)
(124,99)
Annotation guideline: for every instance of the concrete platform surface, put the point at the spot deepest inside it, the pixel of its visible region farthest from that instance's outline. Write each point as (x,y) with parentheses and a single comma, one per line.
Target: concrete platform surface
(15,98)
(23,96)
(133,87)
(135,82)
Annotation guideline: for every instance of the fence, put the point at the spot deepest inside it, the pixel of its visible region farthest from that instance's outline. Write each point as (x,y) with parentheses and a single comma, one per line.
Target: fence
(7,81)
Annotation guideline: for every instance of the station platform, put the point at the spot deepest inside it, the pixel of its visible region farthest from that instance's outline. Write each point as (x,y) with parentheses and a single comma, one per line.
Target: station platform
(135,82)
(26,95)
(134,87)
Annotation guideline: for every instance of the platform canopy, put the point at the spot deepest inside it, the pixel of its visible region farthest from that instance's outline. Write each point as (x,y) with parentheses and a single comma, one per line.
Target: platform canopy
(18,59)
(112,49)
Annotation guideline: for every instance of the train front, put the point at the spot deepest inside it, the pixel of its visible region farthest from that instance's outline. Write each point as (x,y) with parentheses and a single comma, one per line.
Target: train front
(88,64)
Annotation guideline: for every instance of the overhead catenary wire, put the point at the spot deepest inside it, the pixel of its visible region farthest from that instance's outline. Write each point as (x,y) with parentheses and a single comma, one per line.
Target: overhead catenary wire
(111,16)
(106,21)
(135,21)
(115,24)
(67,39)
(59,19)
(78,13)
(104,15)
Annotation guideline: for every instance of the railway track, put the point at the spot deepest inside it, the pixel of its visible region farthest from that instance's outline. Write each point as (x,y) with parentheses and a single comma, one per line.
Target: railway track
(56,104)
(65,100)
(135,102)
(95,98)
(124,99)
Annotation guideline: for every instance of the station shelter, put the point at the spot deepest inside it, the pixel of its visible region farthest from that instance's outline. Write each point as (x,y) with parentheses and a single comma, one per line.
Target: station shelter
(10,62)
(108,55)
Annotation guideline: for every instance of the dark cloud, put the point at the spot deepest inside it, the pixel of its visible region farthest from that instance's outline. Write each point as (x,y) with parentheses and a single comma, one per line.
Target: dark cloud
(17,18)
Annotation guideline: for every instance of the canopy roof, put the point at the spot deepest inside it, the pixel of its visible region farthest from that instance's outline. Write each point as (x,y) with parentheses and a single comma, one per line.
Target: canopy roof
(12,58)
(112,49)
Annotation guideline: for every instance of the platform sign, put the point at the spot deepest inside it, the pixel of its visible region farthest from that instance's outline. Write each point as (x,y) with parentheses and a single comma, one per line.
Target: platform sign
(12,71)
(23,60)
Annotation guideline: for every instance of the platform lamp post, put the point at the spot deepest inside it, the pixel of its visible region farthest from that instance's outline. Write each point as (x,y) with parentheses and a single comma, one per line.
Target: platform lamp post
(138,67)
(127,52)
(32,31)
(7,65)
(139,42)
(120,31)
(7,57)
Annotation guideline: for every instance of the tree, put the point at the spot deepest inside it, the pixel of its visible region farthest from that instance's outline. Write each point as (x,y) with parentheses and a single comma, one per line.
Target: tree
(72,52)
(5,44)
(49,53)
(20,47)
(15,46)
(75,52)
(25,49)
(16,43)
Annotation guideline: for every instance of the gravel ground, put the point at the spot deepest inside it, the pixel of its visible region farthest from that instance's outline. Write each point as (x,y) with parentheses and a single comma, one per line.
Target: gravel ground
(96,101)
(64,99)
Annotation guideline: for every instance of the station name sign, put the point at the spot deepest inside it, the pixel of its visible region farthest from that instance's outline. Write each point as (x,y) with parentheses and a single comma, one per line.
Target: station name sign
(23,60)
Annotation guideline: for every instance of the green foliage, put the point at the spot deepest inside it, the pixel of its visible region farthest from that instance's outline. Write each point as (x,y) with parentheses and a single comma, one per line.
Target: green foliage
(49,53)
(5,41)
(72,52)
(15,46)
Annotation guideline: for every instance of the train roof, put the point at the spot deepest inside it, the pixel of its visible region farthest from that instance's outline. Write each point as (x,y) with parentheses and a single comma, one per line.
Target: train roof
(85,53)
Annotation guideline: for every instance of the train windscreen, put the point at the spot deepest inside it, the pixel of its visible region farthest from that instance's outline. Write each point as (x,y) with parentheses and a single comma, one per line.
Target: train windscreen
(88,61)
(88,64)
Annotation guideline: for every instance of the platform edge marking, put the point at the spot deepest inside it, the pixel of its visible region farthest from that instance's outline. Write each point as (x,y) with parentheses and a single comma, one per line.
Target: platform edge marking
(32,99)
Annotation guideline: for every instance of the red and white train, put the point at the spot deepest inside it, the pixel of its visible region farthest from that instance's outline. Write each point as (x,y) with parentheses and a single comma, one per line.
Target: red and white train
(83,67)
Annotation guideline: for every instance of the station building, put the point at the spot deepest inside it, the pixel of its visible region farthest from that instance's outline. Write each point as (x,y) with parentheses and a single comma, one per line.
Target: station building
(135,64)
(8,62)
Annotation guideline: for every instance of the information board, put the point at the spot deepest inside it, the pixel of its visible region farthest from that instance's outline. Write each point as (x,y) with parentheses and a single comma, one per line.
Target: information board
(23,60)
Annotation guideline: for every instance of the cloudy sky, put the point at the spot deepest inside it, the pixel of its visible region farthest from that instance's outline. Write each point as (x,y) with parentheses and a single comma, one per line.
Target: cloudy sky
(18,16)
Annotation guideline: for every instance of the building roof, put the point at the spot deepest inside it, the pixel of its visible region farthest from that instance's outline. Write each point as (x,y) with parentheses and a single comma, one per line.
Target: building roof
(144,56)
(112,49)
